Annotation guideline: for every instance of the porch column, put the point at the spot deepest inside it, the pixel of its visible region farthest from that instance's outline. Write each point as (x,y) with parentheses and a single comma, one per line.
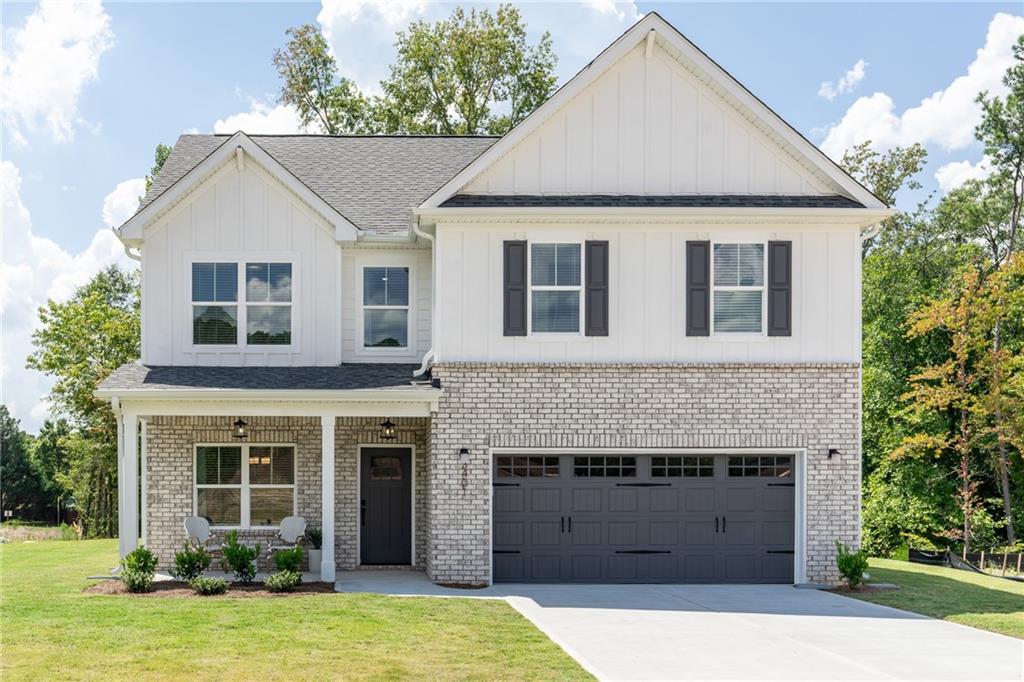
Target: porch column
(127,484)
(327,496)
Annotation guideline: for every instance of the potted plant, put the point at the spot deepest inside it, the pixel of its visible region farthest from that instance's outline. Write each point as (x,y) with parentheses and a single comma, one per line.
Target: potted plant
(315,537)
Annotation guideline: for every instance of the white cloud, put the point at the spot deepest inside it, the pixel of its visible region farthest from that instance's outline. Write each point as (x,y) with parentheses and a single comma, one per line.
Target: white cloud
(952,175)
(121,204)
(32,270)
(361,33)
(45,65)
(946,118)
(847,83)
(262,118)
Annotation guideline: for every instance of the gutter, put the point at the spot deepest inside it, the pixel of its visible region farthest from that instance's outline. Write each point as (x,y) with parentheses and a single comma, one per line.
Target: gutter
(399,395)
(428,357)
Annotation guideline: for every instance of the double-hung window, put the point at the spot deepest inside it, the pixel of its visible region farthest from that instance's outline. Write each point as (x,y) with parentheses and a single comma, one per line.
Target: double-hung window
(244,485)
(265,313)
(738,288)
(385,307)
(268,298)
(555,284)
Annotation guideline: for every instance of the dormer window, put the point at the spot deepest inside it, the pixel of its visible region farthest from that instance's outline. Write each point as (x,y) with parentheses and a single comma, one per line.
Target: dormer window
(265,313)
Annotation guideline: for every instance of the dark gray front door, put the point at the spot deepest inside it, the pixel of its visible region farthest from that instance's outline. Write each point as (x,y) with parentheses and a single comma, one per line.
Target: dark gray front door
(385,519)
(644,518)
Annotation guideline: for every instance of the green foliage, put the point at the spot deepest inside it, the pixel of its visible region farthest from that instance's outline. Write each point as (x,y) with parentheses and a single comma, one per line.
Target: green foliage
(239,558)
(79,343)
(208,586)
(315,537)
(160,155)
(22,487)
(50,458)
(289,560)
(907,503)
(190,563)
(452,77)
(283,581)
(138,568)
(852,564)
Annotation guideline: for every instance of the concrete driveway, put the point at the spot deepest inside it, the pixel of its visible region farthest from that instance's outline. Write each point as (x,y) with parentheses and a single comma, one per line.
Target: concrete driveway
(751,632)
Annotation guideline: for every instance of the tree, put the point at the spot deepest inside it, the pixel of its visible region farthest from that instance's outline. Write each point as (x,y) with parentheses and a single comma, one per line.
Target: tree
(21,487)
(79,343)
(453,77)
(50,458)
(159,157)
(310,83)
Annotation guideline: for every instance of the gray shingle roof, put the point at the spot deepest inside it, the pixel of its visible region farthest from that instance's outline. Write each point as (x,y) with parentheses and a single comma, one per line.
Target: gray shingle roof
(352,376)
(374,181)
(650,201)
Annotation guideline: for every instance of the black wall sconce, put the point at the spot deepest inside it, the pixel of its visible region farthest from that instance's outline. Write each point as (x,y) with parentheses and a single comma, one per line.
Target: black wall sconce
(387,430)
(833,452)
(239,429)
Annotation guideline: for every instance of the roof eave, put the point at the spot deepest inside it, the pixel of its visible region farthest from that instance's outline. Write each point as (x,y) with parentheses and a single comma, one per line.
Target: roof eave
(395,395)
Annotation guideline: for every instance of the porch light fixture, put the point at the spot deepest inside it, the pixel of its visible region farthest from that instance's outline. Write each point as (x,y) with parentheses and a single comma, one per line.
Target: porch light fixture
(239,430)
(832,452)
(464,466)
(387,430)
(464,456)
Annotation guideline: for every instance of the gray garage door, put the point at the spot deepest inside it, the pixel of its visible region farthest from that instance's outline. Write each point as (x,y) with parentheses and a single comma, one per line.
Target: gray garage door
(643,518)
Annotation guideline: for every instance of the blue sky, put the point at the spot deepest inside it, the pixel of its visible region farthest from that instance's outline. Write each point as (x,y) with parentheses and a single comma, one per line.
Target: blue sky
(89,90)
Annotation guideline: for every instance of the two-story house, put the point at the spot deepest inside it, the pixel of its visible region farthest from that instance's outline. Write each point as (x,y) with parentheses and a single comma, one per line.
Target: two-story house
(620,343)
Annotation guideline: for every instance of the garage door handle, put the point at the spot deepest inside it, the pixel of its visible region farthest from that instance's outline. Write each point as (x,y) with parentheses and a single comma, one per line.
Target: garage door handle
(723,524)
(643,485)
(782,485)
(563,524)
(716,524)
(643,551)
(570,524)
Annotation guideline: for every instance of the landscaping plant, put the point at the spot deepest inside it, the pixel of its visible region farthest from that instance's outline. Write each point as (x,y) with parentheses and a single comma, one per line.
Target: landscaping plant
(315,537)
(289,560)
(239,558)
(283,581)
(138,568)
(190,563)
(208,586)
(852,564)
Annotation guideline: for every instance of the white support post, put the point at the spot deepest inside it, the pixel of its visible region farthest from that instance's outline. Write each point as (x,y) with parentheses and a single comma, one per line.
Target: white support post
(327,496)
(128,516)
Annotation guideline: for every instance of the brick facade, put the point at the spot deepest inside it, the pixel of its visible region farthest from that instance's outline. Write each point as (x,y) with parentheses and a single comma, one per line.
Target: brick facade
(170,443)
(812,406)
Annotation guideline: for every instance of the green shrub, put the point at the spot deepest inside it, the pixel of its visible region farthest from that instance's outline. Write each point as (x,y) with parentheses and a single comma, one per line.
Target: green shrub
(136,580)
(852,565)
(68,532)
(208,586)
(239,558)
(283,581)
(138,568)
(315,537)
(289,560)
(190,563)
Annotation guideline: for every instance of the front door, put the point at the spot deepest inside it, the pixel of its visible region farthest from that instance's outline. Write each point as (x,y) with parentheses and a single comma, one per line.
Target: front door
(385,507)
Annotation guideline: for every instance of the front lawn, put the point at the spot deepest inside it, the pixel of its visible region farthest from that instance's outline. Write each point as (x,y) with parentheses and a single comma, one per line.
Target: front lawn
(52,630)
(980,601)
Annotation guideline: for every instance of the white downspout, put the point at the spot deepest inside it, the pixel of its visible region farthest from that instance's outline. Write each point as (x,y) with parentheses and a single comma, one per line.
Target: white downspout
(428,357)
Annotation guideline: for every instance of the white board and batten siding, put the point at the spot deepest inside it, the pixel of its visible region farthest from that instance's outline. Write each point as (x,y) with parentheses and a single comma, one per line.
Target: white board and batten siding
(248,216)
(647,313)
(647,126)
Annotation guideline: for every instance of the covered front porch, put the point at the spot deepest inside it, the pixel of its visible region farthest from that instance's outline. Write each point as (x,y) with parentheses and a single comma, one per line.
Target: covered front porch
(352,462)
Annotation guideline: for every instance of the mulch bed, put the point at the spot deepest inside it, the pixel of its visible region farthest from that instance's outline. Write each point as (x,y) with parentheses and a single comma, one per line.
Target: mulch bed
(179,590)
(863,589)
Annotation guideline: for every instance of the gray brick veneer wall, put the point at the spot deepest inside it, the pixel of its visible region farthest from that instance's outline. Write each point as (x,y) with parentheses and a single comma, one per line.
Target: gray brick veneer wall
(170,444)
(813,406)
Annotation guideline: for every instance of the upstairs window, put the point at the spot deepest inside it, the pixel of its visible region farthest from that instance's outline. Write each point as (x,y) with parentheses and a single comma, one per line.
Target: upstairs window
(268,297)
(738,291)
(265,312)
(214,303)
(555,283)
(385,307)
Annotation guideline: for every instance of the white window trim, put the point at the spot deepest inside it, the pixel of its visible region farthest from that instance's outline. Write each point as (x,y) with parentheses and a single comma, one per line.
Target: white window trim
(397,260)
(553,287)
(241,344)
(244,487)
(763,289)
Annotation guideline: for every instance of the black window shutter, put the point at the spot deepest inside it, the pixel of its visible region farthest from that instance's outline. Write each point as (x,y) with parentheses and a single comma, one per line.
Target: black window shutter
(698,288)
(596,290)
(515,288)
(780,288)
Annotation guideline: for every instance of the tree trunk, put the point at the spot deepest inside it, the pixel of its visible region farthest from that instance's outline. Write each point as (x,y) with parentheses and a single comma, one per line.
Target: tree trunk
(1002,459)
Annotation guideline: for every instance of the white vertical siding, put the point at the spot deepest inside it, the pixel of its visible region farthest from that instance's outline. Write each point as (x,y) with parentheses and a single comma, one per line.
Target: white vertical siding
(647,126)
(647,314)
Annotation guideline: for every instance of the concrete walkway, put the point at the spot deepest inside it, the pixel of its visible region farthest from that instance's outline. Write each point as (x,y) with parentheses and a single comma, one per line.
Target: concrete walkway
(750,632)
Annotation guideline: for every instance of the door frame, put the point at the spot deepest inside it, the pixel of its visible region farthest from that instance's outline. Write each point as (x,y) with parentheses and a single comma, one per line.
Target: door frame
(412,494)
(799,496)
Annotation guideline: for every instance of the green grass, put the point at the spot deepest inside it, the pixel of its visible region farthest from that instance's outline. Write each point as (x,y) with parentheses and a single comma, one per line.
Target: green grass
(52,630)
(980,601)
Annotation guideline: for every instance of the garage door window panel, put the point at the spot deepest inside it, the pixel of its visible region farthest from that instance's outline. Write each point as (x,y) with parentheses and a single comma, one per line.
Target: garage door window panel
(682,467)
(770,466)
(604,467)
(526,467)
